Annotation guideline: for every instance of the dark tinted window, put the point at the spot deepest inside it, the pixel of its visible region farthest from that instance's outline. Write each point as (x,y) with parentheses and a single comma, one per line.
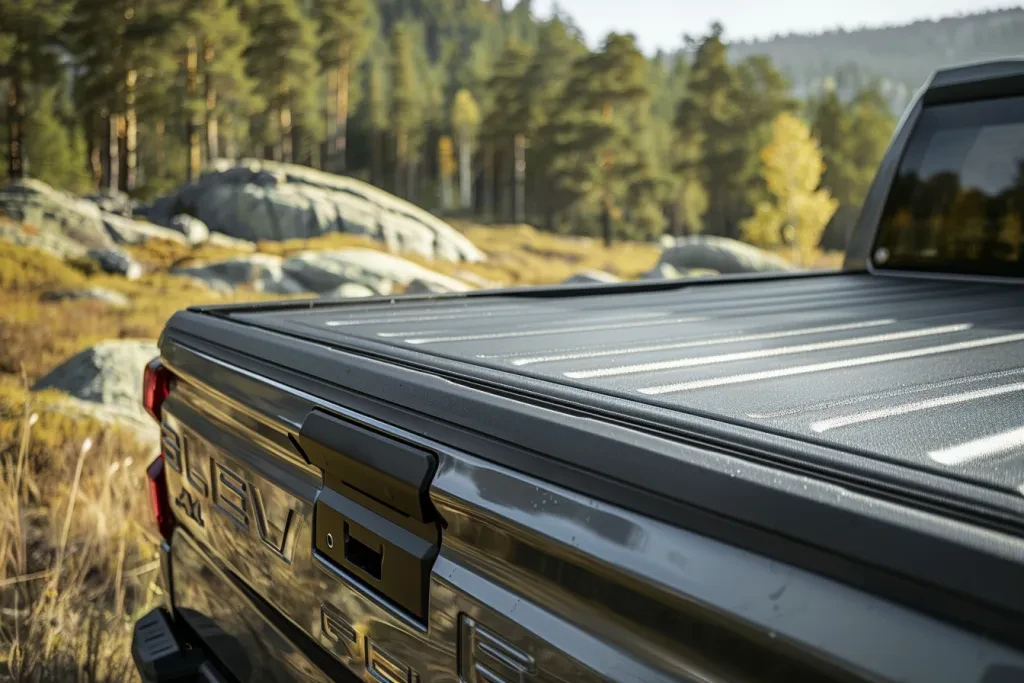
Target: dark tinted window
(957,204)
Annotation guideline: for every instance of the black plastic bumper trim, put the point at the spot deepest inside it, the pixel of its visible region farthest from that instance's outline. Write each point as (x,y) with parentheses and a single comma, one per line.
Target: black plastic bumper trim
(160,654)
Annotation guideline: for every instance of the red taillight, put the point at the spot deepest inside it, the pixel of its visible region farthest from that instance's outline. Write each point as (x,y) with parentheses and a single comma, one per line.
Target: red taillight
(158,497)
(156,384)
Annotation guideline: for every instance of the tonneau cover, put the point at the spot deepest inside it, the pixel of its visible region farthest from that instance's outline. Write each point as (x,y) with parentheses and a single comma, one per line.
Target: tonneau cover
(924,373)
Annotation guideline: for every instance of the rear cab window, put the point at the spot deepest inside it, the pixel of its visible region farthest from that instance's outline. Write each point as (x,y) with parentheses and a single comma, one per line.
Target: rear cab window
(957,202)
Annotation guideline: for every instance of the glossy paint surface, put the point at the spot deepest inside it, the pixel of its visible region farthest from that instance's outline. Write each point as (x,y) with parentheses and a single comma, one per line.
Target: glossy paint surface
(533,582)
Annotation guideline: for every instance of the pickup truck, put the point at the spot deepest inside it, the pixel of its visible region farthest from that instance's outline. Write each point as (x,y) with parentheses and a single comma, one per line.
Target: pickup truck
(810,476)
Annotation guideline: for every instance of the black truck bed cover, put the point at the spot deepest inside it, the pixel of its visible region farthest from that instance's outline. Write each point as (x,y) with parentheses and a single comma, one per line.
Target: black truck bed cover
(922,373)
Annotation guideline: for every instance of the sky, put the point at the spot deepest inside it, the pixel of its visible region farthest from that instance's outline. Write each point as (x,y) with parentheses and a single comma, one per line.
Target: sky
(661,23)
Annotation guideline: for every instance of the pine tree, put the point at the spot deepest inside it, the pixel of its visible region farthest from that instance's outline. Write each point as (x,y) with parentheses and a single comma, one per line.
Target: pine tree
(682,196)
(519,23)
(123,50)
(406,113)
(831,126)
(707,122)
(54,152)
(281,61)
(28,41)
(792,171)
(558,49)
(871,126)
(508,122)
(853,139)
(344,35)
(378,113)
(601,160)
(215,31)
(465,123)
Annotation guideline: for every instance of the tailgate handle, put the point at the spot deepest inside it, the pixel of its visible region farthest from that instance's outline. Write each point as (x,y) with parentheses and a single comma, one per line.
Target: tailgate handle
(373,522)
(392,472)
(367,558)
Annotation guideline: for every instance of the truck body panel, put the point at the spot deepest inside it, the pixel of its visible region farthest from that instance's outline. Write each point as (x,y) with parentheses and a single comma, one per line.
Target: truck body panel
(566,587)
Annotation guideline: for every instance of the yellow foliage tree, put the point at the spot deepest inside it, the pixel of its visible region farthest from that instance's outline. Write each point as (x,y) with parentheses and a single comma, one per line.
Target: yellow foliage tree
(792,170)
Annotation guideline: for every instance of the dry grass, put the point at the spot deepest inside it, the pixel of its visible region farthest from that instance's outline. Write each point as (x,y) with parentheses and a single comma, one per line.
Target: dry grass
(24,269)
(77,561)
(522,255)
(37,335)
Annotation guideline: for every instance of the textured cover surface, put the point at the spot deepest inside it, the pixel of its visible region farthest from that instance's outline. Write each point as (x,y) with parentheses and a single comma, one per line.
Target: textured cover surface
(925,373)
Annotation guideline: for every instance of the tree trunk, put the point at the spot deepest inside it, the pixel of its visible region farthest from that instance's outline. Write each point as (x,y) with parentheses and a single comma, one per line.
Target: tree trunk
(113,155)
(96,154)
(212,128)
(299,155)
(410,181)
(341,112)
(446,193)
(519,204)
(161,154)
(465,172)
(502,161)
(287,150)
(401,152)
(316,156)
(131,133)
(606,224)
(122,152)
(195,157)
(15,118)
(192,132)
(331,116)
(488,207)
(376,157)
(212,138)
(230,144)
(445,170)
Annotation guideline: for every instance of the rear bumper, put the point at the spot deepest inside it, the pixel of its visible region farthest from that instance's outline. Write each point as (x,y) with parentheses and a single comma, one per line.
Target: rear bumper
(162,655)
(161,649)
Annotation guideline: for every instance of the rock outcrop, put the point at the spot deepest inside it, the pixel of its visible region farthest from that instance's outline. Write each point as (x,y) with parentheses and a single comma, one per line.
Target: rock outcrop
(115,261)
(129,231)
(56,221)
(663,271)
(106,381)
(721,254)
(34,214)
(191,228)
(591,277)
(320,272)
(262,200)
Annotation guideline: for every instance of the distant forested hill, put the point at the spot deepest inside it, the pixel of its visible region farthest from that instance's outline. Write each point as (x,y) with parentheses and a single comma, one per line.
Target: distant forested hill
(899,58)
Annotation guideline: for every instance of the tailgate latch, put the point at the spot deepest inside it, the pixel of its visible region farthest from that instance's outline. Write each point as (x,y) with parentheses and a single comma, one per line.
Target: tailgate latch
(373,521)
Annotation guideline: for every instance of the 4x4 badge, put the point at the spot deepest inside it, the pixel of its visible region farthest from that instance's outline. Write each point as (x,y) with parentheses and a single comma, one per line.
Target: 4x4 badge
(190,505)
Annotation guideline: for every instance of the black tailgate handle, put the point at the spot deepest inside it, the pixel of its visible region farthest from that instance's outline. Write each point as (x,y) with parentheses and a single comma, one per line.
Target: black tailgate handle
(373,521)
